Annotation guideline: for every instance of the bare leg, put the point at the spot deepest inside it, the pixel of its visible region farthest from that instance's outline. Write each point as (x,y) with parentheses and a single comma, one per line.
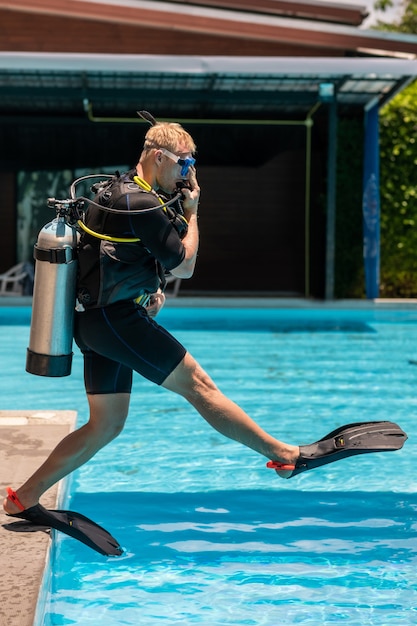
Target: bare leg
(191,381)
(108,414)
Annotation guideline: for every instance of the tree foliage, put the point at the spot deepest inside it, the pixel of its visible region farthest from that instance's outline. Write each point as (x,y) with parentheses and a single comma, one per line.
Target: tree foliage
(407,22)
(398,150)
(398,188)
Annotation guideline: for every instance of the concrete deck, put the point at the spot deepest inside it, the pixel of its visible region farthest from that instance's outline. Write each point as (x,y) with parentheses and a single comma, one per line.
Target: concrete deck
(26,438)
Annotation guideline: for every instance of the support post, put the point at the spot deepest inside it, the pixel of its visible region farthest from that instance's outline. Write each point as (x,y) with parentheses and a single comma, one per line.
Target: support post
(331,200)
(371,202)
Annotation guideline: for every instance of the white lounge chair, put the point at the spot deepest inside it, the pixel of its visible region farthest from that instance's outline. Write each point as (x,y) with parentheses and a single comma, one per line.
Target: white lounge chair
(12,282)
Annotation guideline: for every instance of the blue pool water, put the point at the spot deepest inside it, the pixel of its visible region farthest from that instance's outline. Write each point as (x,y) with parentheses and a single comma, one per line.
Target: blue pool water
(211,536)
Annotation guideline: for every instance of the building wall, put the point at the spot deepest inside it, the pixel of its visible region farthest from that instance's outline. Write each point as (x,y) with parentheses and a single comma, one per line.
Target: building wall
(253,195)
(8,220)
(252,227)
(252,213)
(27,32)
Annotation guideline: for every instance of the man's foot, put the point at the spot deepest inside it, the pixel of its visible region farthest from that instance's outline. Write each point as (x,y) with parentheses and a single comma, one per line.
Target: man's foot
(13,505)
(69,522)
(288,465)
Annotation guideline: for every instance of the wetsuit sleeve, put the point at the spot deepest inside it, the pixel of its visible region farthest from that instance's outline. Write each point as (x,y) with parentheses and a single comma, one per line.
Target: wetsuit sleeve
(159,236)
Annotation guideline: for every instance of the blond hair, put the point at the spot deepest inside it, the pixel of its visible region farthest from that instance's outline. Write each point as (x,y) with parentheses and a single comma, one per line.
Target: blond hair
(168,135)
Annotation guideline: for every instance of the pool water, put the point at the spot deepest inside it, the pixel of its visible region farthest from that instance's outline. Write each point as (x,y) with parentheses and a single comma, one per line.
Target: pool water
(211,536)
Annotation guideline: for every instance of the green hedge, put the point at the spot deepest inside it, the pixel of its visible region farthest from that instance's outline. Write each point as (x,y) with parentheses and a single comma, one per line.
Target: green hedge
(398,189)
(398,147)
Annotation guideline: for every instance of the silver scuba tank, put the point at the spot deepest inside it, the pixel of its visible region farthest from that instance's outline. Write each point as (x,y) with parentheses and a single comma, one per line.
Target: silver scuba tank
(51,330)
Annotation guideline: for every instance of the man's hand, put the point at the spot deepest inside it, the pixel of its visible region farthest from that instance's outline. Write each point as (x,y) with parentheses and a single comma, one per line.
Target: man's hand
(156,303)
(191,240)
(191,197)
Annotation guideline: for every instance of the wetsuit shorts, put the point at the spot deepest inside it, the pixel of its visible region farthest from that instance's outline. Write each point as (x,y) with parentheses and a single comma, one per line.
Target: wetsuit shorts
(119,338)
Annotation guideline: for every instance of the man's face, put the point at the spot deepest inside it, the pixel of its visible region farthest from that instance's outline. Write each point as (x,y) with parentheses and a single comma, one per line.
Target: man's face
(174,167)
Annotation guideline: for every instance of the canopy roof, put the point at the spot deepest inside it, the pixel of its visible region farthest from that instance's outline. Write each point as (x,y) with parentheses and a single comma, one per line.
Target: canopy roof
(41,85)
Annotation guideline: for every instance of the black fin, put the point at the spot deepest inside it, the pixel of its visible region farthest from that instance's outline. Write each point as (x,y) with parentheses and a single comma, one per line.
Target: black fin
(75,525)
(349,440)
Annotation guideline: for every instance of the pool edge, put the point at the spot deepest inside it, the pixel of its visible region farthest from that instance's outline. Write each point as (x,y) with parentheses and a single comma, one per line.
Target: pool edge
(257,300)
(26,439)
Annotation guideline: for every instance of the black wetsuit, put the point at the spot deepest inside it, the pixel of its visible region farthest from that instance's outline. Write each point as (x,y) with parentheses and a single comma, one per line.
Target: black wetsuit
(114,333)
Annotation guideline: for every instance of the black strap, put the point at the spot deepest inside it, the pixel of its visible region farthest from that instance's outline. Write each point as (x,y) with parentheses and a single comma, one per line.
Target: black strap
(54,255)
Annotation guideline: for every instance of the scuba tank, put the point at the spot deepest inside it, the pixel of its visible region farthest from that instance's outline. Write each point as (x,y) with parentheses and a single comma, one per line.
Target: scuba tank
(51,330)
(54,291)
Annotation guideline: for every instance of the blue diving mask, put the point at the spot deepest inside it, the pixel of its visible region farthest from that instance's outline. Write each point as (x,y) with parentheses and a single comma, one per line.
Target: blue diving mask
(184,163)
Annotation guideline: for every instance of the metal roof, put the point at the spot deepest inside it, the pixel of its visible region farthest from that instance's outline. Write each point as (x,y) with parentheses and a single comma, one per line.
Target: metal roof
(335,12)
(235,19)
(44,85)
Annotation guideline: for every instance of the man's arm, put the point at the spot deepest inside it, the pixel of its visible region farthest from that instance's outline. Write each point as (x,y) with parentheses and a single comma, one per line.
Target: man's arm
(191,240)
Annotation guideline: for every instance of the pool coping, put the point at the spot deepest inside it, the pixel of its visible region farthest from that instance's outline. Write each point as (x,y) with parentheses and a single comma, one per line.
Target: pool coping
(261,301)
(26,438)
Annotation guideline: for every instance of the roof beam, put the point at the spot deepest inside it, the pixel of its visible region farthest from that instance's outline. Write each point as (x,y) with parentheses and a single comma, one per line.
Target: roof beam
(352,15)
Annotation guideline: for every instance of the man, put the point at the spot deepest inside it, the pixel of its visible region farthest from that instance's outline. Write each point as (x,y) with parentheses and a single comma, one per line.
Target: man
(126,247)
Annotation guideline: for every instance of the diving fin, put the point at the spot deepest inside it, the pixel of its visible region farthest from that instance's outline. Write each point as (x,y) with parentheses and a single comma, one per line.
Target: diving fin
(71,523)
(349,440)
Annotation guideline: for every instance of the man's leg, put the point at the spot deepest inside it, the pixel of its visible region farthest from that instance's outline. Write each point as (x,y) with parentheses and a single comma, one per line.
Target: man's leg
(191,381)
(108,414)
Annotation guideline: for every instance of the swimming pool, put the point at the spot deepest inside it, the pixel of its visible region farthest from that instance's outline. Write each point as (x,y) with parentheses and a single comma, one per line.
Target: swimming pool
(211,536)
